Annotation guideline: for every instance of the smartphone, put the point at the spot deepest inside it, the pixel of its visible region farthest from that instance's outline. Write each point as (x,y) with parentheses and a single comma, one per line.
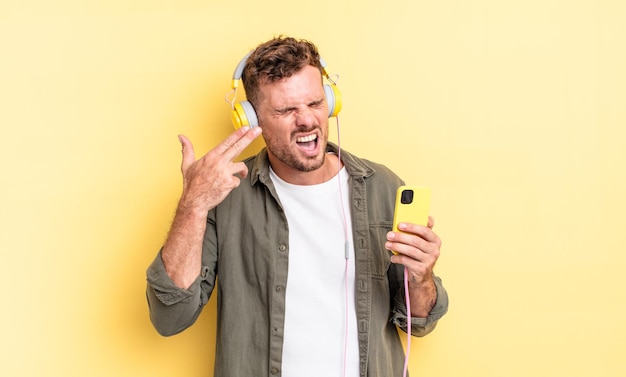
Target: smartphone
(412,206)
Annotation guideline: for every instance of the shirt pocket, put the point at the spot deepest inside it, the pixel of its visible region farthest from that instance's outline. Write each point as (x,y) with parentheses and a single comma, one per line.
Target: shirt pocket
(380,257)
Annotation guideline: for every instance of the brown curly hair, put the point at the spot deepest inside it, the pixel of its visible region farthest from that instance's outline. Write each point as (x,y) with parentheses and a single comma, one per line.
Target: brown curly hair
(278,58)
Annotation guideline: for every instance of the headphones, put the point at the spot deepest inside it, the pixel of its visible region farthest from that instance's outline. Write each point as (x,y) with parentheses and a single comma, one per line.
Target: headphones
(243,114)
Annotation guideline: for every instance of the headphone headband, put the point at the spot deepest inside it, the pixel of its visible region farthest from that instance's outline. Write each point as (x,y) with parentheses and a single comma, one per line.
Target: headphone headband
(239,70)
(243,114)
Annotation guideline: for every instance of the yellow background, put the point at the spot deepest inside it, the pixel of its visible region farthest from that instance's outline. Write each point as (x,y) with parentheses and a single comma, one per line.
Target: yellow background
(512,111)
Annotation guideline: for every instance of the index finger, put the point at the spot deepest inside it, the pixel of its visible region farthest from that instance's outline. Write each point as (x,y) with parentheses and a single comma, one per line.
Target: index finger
(236,142)
(423,231)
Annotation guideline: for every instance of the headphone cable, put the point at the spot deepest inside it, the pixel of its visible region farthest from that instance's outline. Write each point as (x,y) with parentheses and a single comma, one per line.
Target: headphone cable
(346,250)
(408,321)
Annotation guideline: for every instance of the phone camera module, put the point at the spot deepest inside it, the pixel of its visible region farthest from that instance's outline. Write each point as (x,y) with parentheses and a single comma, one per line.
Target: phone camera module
(406,197)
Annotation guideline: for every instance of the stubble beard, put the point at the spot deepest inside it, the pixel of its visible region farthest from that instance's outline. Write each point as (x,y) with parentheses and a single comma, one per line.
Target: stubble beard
(286,155)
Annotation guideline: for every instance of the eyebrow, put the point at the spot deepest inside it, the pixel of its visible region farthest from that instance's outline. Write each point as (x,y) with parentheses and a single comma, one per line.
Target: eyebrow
(287,109)
(317,102)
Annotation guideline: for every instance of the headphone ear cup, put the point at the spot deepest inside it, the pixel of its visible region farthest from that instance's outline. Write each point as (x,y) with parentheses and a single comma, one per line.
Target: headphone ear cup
(243,114)
(333,99)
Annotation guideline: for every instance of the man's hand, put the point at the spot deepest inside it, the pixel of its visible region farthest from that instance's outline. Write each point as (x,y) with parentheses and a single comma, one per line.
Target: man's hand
(418,249)
(207,181)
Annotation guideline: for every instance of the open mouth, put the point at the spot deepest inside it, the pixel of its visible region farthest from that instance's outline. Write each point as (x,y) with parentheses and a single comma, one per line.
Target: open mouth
(308,143)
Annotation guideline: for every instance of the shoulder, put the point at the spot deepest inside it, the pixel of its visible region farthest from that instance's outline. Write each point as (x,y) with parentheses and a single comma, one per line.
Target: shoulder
(370,170)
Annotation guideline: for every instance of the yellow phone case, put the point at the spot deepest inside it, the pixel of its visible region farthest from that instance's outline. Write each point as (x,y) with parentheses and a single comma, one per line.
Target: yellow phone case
(412,205)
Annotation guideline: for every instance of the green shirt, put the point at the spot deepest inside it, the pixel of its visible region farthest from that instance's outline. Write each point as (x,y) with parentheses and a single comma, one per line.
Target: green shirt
(246,243)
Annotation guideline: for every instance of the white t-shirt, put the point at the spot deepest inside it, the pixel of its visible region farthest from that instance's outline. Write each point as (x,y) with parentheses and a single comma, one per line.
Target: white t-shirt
(315,314)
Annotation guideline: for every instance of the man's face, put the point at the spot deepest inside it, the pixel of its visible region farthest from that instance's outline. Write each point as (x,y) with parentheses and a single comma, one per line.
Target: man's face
(293,114)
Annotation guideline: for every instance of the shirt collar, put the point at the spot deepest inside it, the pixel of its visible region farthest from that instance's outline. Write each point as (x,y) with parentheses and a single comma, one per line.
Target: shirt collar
(260,168)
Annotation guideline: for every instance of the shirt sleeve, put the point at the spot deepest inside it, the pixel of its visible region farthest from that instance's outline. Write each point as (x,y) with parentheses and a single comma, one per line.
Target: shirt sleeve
(420,326)
(173,309)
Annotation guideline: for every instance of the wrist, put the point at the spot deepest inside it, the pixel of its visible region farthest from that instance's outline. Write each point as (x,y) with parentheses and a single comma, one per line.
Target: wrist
(423,297)
(192,207)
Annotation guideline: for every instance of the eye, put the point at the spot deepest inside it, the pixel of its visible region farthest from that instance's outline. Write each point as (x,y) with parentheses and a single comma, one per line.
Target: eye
(285,111)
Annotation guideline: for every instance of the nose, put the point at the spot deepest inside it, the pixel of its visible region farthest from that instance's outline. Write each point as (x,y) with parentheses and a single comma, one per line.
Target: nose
(305,117)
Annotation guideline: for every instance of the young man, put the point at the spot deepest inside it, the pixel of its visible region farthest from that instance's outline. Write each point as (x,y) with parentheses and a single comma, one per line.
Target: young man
(299,236)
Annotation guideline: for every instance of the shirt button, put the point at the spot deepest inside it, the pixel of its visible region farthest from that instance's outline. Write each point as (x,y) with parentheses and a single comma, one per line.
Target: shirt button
(274,371)
(279,288)
(282,247)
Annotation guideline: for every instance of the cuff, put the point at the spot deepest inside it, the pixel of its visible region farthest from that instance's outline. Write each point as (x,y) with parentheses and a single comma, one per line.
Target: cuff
(420,326)
(164,288)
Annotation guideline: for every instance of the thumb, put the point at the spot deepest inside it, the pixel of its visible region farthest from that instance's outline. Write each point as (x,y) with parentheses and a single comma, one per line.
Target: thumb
(189,156)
